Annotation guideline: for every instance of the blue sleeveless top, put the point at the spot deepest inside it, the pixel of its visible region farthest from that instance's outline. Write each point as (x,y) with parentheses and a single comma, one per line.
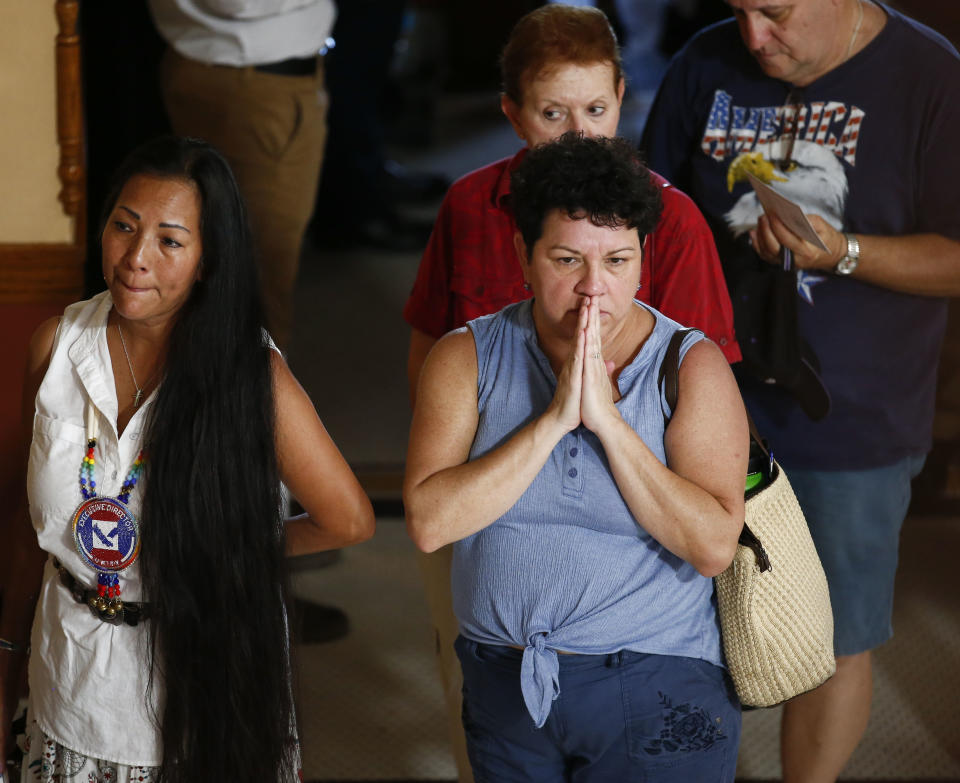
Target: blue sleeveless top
(568,567)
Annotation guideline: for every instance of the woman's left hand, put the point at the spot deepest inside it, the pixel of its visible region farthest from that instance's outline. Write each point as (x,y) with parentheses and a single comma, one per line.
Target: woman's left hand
(596,399)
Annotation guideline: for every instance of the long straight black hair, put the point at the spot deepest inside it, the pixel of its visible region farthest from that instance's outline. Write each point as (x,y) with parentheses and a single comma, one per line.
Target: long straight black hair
(212,556)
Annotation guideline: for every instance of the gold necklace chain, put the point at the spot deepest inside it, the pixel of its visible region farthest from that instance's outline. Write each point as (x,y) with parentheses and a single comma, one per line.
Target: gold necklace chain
(856,31)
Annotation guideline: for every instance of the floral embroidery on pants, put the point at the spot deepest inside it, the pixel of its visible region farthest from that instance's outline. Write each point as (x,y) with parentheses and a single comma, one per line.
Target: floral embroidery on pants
(685,728)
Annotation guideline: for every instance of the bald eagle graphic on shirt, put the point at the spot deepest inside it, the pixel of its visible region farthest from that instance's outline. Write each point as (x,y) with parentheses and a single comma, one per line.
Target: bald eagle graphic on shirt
(798,149)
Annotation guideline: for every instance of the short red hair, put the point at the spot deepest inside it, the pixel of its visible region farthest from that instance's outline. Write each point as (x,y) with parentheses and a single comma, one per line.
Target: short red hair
(557,34)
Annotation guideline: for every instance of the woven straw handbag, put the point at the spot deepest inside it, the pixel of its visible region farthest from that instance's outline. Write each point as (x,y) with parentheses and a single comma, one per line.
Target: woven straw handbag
(774,606)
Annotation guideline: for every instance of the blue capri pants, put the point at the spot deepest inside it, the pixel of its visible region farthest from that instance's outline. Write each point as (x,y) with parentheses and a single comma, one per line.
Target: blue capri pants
(624,717)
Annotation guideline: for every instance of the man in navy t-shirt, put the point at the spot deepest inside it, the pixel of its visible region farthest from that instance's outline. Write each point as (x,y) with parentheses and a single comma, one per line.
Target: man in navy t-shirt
(852,111)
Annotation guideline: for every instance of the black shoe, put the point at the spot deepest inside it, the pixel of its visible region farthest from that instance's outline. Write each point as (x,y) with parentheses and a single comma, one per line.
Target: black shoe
(315,623)
(394,233)
(405,186)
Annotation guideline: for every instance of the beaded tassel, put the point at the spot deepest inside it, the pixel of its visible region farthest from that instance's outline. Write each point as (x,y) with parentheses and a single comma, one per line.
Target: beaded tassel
(108,595)
(108,585)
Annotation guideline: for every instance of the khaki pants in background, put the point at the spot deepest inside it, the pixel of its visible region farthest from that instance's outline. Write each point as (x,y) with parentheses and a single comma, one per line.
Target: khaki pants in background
(272,130)
(435,568)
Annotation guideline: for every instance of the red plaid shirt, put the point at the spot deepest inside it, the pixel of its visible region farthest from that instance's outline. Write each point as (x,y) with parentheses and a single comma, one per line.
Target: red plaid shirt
(470,267)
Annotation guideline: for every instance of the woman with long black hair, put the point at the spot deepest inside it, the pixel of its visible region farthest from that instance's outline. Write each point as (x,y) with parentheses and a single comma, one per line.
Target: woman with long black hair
(162,422)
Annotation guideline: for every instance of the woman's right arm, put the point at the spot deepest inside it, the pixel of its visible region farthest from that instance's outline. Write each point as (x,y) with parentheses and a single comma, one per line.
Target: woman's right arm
(446,497)
(22,564)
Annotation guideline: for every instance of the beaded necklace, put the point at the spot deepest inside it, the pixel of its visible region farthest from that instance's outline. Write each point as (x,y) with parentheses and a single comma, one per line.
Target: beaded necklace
(104,529)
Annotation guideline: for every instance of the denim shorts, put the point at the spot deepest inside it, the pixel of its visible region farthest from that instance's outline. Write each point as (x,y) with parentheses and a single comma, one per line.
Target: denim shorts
(619,718)
(855,518)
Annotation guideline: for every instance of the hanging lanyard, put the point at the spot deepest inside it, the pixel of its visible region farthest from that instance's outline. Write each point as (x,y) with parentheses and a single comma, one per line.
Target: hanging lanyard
(105,531)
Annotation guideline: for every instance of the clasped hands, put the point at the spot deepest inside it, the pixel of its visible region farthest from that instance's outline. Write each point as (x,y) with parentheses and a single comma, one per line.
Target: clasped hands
(771,234)
(584,392)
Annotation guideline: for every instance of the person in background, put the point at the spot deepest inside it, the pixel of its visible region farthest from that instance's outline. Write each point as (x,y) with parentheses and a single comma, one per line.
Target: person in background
(362,192)
(248,77)
(849,109)
(561,71)
(159,647)
(588,518)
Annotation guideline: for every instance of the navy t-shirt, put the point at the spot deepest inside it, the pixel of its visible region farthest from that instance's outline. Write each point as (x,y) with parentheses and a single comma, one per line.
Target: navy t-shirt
(876,146)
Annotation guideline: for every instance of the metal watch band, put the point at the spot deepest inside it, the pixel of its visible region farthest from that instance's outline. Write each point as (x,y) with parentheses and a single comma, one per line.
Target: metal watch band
(848,263)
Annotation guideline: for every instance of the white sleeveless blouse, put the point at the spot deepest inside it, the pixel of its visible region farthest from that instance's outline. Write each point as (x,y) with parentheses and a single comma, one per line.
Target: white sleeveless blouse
(88,679)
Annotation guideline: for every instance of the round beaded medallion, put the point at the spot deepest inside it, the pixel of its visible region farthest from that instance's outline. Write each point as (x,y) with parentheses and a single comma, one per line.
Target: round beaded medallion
(106,534)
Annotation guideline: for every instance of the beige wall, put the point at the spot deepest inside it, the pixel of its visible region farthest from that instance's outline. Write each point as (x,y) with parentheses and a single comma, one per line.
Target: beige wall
(29,209)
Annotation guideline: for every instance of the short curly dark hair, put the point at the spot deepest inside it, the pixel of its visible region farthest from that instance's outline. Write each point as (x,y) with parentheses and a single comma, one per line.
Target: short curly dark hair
(599,178)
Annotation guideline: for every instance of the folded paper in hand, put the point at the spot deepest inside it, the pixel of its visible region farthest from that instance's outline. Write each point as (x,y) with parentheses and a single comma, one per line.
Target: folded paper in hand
(786,211)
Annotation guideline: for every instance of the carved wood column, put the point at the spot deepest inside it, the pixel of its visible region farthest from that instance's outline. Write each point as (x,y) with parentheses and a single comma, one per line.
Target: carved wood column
(44,273)
(70,116)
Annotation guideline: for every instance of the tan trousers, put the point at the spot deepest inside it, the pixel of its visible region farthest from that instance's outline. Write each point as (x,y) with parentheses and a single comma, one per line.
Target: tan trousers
(435,568)
(272,130)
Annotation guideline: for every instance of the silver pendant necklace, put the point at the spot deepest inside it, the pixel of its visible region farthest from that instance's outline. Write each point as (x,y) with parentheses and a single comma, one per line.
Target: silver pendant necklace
(139,393)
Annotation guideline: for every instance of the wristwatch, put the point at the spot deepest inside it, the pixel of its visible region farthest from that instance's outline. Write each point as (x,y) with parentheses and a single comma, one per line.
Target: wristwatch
(848,263)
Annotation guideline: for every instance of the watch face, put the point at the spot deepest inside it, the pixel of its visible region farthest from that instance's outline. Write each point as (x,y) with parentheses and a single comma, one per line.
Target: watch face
(846,265)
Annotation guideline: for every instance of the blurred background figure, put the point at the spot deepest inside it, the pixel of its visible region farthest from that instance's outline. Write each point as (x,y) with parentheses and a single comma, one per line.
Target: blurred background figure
(248,77)
(361,190)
